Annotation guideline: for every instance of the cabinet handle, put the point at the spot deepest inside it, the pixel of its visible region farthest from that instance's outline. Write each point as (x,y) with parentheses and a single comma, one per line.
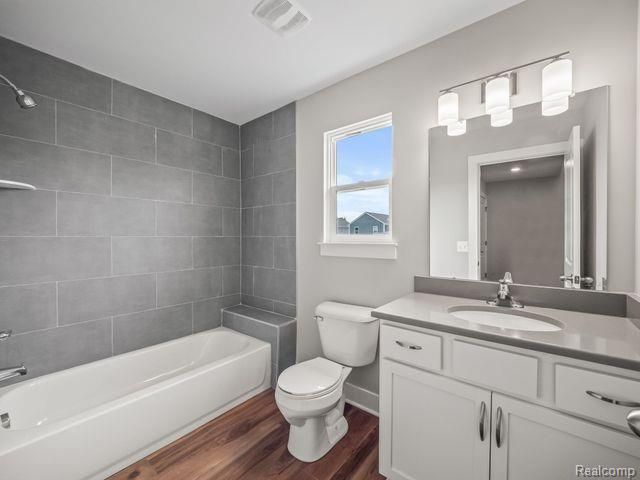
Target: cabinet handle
(483,416)
(633,420)
(499,438)
(622,403)
(410,346)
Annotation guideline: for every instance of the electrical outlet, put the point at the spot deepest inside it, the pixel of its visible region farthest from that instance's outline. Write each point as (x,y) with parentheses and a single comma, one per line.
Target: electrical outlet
(463,246)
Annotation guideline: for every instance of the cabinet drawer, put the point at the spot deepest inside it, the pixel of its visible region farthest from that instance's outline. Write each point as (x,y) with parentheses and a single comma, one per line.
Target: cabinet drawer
(573,383)
(498,369)
(408,346)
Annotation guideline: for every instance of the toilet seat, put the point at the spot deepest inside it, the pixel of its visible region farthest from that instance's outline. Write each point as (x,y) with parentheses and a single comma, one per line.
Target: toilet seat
(311,379)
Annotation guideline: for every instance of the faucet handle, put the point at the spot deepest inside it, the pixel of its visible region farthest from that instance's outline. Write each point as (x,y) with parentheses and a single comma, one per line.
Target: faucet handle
(507,279)
(4,334)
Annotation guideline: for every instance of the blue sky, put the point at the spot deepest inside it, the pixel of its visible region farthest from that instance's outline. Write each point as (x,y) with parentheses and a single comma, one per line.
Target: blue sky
(362,158)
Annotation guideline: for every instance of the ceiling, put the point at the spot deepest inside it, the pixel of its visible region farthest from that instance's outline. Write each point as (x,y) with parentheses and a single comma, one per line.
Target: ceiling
(214,56)
(531,168)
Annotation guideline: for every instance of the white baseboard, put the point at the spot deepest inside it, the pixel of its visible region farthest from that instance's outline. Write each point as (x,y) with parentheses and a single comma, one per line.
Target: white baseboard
(361,398)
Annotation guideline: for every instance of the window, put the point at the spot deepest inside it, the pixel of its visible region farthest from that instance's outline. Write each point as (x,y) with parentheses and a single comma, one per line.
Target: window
(358,173)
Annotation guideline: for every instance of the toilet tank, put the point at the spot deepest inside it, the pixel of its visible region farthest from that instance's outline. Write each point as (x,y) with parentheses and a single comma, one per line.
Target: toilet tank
(348,333)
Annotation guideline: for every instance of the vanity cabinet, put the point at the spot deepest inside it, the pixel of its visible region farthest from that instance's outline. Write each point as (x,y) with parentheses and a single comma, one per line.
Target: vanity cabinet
(451,419)
(431,420)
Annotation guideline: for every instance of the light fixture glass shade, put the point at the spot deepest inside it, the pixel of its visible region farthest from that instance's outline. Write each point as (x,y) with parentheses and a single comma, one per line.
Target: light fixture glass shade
(557,79)
(457,128)
(498,95)
(502,119)
(555,107)
(447,108)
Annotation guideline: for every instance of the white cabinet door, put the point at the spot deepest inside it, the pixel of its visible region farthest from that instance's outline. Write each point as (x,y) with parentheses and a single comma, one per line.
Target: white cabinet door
(538,443)
(430,426)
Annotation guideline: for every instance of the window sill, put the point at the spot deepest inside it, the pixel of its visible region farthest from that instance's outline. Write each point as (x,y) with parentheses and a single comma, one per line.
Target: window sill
(380,250)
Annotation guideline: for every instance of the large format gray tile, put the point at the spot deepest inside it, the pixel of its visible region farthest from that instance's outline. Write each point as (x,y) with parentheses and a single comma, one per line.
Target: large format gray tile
(207,314)
(54,168)
(231,280)
(257,191)
(284,121)
(231,163)
(185,152)
(285,253)
(279,220)
(142,106)
(26,212)
(80,214)
(216,251)
(150,254)
(254,328)
(44,259)
(219,191)
(284,187)
(139,330)
(275,284)
(247,222)
(91,130)
(275,156)
(246,163)
(256,131)
(287,335)
(231,222)
(33,124)
(286,309)
(257,302)
(257,251)
(38,72)
(83,300)
(147,180)
(29,307)
(215,130)
(184,219)
(189,286)
(247,280)
(261,315)
(47,351)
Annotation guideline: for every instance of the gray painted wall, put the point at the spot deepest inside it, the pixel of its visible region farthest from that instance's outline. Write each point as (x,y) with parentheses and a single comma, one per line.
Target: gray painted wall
(408,87)
(269,211)
(133,236)
(525,230)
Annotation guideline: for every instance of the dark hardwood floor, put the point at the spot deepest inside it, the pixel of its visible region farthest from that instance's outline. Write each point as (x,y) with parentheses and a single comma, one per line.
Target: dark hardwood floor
(250,443)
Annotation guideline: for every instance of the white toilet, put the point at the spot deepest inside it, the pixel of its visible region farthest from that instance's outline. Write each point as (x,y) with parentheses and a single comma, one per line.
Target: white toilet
(309,394)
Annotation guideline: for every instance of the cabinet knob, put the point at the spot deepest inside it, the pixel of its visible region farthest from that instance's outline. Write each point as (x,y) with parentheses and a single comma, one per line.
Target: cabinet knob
(499,436)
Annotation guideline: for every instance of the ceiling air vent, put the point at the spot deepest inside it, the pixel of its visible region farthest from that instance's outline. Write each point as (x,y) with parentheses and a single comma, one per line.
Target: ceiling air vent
(282,16)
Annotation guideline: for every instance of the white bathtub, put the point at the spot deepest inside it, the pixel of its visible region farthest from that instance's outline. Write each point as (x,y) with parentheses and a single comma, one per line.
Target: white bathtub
(93,420)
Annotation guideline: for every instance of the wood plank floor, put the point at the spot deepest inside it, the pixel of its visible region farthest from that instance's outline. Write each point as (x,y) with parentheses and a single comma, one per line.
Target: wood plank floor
(250,443)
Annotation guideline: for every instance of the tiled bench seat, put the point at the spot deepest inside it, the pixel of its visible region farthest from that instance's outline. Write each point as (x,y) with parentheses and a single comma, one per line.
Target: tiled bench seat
(278,330)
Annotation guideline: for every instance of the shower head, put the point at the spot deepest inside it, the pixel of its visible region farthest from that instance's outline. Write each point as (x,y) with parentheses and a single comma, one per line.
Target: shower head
(25,101)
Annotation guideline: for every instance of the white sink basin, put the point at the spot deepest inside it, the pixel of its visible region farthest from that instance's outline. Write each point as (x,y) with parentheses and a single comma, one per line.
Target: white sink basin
(501,317)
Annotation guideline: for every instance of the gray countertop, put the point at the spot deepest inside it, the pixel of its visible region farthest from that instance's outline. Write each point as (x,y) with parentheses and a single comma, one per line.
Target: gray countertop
(598,338)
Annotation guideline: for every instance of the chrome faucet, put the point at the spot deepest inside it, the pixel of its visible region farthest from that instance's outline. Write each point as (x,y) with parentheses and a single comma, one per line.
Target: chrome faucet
(11,372)
(504,298)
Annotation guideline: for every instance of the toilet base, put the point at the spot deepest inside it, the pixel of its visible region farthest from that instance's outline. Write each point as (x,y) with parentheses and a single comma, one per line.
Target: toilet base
(314,438)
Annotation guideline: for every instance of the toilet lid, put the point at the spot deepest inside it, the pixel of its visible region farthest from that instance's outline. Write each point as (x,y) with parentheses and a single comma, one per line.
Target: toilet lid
(310,377)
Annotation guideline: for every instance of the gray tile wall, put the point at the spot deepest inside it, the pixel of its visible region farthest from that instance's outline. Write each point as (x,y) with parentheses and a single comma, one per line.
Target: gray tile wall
(268,173)
(133,236)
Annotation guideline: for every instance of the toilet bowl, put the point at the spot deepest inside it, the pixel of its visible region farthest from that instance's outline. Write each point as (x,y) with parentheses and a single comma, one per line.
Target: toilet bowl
(310,394)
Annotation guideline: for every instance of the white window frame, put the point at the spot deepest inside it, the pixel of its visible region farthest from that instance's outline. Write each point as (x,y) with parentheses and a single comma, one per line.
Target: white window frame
(335,244)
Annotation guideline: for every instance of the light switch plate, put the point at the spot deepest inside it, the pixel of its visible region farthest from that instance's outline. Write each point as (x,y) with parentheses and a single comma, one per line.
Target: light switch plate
(463,246)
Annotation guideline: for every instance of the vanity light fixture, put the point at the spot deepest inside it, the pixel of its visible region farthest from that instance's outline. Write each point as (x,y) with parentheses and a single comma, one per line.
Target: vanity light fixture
(502,119)
(457,128)
(498,95)
(515,169)
(498,88)
(555,107)
(448,108)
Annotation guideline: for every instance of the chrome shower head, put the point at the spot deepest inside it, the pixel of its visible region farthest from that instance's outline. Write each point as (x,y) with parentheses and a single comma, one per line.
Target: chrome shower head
(25,101)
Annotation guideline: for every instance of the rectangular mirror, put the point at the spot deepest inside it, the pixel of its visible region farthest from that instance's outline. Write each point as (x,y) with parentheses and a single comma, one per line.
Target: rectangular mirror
(529,198)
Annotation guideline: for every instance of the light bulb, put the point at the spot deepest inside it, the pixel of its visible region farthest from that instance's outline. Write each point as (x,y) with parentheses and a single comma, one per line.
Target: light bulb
(457,128)
(502,119)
